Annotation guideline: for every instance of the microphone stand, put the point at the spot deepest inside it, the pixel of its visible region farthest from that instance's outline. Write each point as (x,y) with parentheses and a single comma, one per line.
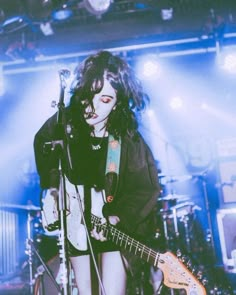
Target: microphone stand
(210,239)
(63,150)
(209,233)
(60,146)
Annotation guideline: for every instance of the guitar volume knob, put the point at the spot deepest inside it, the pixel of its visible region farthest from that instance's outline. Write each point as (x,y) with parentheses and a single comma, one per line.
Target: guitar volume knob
(178,253)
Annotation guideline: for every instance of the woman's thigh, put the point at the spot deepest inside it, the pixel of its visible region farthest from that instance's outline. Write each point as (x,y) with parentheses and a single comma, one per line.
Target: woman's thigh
(113,272)
(82,273)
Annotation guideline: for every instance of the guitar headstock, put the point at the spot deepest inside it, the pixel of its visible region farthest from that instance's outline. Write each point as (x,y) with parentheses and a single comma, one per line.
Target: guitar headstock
(177,275)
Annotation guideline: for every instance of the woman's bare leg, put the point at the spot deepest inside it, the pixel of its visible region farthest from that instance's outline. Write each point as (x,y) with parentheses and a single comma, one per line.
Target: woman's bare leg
(113,273)
(82,273)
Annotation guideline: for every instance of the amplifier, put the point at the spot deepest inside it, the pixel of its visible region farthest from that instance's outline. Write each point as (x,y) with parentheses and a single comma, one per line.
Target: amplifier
(227,171)
(226,220)
(226,151)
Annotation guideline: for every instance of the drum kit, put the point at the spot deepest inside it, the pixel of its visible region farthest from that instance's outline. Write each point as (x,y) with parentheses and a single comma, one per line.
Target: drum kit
(177,213)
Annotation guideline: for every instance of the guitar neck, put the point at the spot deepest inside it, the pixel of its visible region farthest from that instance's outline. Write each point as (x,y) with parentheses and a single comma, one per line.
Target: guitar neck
(176,274)
(131,245)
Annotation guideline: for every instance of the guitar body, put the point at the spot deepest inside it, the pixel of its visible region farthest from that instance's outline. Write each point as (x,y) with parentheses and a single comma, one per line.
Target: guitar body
(76,232)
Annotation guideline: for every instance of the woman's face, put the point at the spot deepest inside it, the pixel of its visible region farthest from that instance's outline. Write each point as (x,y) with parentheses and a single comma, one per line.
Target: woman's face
(103,103)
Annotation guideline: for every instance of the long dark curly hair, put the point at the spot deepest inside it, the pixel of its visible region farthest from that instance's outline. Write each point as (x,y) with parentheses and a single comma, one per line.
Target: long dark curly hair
(89,80)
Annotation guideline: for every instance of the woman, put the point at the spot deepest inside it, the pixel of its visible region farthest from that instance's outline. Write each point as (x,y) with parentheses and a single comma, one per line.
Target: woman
(107,164)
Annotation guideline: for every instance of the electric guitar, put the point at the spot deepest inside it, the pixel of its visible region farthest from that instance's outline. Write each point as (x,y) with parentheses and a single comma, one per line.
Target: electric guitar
(176,274)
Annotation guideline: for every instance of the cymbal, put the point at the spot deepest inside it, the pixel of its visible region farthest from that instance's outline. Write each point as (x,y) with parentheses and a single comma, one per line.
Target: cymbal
(161,175)
(23,207)
(174,178)
(173,197)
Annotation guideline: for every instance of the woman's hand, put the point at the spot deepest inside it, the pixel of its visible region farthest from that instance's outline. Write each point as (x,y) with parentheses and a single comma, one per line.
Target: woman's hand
(113,220)
(100,235)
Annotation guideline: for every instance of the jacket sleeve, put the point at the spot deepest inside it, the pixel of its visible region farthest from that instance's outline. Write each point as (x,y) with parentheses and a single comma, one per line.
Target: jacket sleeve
(45,157)
(138,186)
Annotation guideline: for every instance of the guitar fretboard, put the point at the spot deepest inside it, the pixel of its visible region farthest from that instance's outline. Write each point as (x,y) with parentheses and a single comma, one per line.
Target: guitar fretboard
(126,242)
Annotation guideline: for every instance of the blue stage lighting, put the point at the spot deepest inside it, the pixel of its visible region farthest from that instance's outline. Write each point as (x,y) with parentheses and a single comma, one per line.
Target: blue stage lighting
(14,23)
(62,14)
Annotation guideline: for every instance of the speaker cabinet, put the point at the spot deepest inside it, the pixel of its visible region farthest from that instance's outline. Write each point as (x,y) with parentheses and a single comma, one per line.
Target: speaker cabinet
(226,150)
(226,219)
(227,171)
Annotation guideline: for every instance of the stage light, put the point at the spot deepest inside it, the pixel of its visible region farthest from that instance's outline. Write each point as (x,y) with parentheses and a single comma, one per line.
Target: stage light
(150,113)
(13,24)
(62,14)
(167,14)
(97,7)
(149,67)
(46,29)
(229,63)
(176,103)
(12,16)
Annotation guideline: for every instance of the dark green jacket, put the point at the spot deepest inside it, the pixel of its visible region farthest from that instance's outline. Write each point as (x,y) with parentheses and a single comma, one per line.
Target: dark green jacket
(137,187)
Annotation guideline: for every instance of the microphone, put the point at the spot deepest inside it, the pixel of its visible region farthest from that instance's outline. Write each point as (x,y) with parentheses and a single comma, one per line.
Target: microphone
(65,73)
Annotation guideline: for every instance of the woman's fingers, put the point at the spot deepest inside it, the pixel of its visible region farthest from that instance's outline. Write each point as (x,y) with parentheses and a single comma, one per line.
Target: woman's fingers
(98,235)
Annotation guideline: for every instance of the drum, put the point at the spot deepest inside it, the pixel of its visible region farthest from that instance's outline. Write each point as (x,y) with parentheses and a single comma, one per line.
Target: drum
(165,203)
(178,223)
(45,285)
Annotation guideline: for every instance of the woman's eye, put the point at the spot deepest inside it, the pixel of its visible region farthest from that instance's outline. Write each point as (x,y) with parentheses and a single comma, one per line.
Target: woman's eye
(105,99)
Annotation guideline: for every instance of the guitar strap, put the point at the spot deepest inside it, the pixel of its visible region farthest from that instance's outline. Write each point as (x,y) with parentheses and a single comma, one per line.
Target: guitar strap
(87,205)
(111,177)
(112,168)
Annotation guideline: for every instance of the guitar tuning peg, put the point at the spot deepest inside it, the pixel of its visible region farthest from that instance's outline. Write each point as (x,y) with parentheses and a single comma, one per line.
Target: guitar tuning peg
(189,264)
(194,269)
(184,258)
(178,253)
(199,274)
(204,281)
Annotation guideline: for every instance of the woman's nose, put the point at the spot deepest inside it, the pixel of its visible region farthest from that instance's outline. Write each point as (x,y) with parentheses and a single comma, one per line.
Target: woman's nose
(95,103)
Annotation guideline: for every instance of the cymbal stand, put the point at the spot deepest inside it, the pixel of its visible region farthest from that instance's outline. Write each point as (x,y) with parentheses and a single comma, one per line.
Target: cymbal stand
(30,249)
(166,225)
(175,223)
(64,264)
(29,252)
(164,219)
(209,230)
(185,220)
(60,147)
(44,267)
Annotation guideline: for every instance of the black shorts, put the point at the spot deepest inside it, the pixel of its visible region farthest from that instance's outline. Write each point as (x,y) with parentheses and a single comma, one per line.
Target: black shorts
(98,247)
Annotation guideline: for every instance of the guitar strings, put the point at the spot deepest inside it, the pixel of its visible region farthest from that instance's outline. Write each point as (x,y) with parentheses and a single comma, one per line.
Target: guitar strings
(140,248)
